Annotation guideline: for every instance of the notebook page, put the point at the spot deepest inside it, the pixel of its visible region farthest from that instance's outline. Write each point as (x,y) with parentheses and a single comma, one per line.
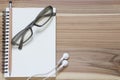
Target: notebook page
(39,55)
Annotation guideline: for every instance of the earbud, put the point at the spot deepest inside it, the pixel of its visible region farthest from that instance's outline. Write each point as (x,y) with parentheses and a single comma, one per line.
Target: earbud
(64,57)
(63,64)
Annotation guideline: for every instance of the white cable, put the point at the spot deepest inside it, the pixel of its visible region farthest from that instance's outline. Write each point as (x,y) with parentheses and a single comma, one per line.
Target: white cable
(60,65)
(41,74)
(49,76)
(59,68)
(64,64)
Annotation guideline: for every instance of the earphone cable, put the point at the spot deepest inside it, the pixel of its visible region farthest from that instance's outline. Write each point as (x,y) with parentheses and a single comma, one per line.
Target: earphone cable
(56,68)
(42,74)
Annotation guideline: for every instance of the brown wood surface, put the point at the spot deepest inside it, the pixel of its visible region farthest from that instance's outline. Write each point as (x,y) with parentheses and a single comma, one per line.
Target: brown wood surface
(88,29)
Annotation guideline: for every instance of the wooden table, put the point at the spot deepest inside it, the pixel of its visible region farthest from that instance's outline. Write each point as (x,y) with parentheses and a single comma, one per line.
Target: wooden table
(89,30)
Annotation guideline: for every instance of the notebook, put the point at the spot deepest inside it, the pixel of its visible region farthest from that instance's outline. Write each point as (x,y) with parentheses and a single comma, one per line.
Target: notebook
(36,57)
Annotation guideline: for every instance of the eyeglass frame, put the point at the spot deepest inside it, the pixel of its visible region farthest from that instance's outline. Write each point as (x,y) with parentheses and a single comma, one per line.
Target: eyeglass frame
(22,33)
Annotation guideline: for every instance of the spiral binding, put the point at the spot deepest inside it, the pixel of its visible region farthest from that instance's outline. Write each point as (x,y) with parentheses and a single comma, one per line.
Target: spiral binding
(5,42)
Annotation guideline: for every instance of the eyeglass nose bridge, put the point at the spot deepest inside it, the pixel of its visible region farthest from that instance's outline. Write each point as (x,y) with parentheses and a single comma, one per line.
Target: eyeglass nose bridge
(30,25)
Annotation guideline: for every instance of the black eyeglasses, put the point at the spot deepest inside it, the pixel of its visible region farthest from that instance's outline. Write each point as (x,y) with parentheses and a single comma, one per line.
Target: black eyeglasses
(24,35)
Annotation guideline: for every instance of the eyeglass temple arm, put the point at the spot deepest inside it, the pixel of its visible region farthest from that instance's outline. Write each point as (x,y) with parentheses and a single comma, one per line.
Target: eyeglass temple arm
(21,43)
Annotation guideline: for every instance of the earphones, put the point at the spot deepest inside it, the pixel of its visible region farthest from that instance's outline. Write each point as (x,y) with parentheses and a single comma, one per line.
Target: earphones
(64,57)
(62,63)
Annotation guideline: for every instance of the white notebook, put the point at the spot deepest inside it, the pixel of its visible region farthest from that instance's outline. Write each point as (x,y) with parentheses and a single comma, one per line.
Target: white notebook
(39,55)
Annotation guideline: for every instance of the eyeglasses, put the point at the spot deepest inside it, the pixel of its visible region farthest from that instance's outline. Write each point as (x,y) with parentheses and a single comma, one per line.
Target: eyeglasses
(25,34)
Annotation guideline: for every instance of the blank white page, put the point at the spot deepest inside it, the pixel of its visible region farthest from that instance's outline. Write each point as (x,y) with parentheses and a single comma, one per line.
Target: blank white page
(39,54)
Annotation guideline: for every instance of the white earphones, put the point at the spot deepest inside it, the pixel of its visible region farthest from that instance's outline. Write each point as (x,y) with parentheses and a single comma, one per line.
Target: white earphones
(63,64)
(64,57)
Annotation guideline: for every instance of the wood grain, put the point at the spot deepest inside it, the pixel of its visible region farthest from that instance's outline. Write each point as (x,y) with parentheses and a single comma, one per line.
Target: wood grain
(88,29)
